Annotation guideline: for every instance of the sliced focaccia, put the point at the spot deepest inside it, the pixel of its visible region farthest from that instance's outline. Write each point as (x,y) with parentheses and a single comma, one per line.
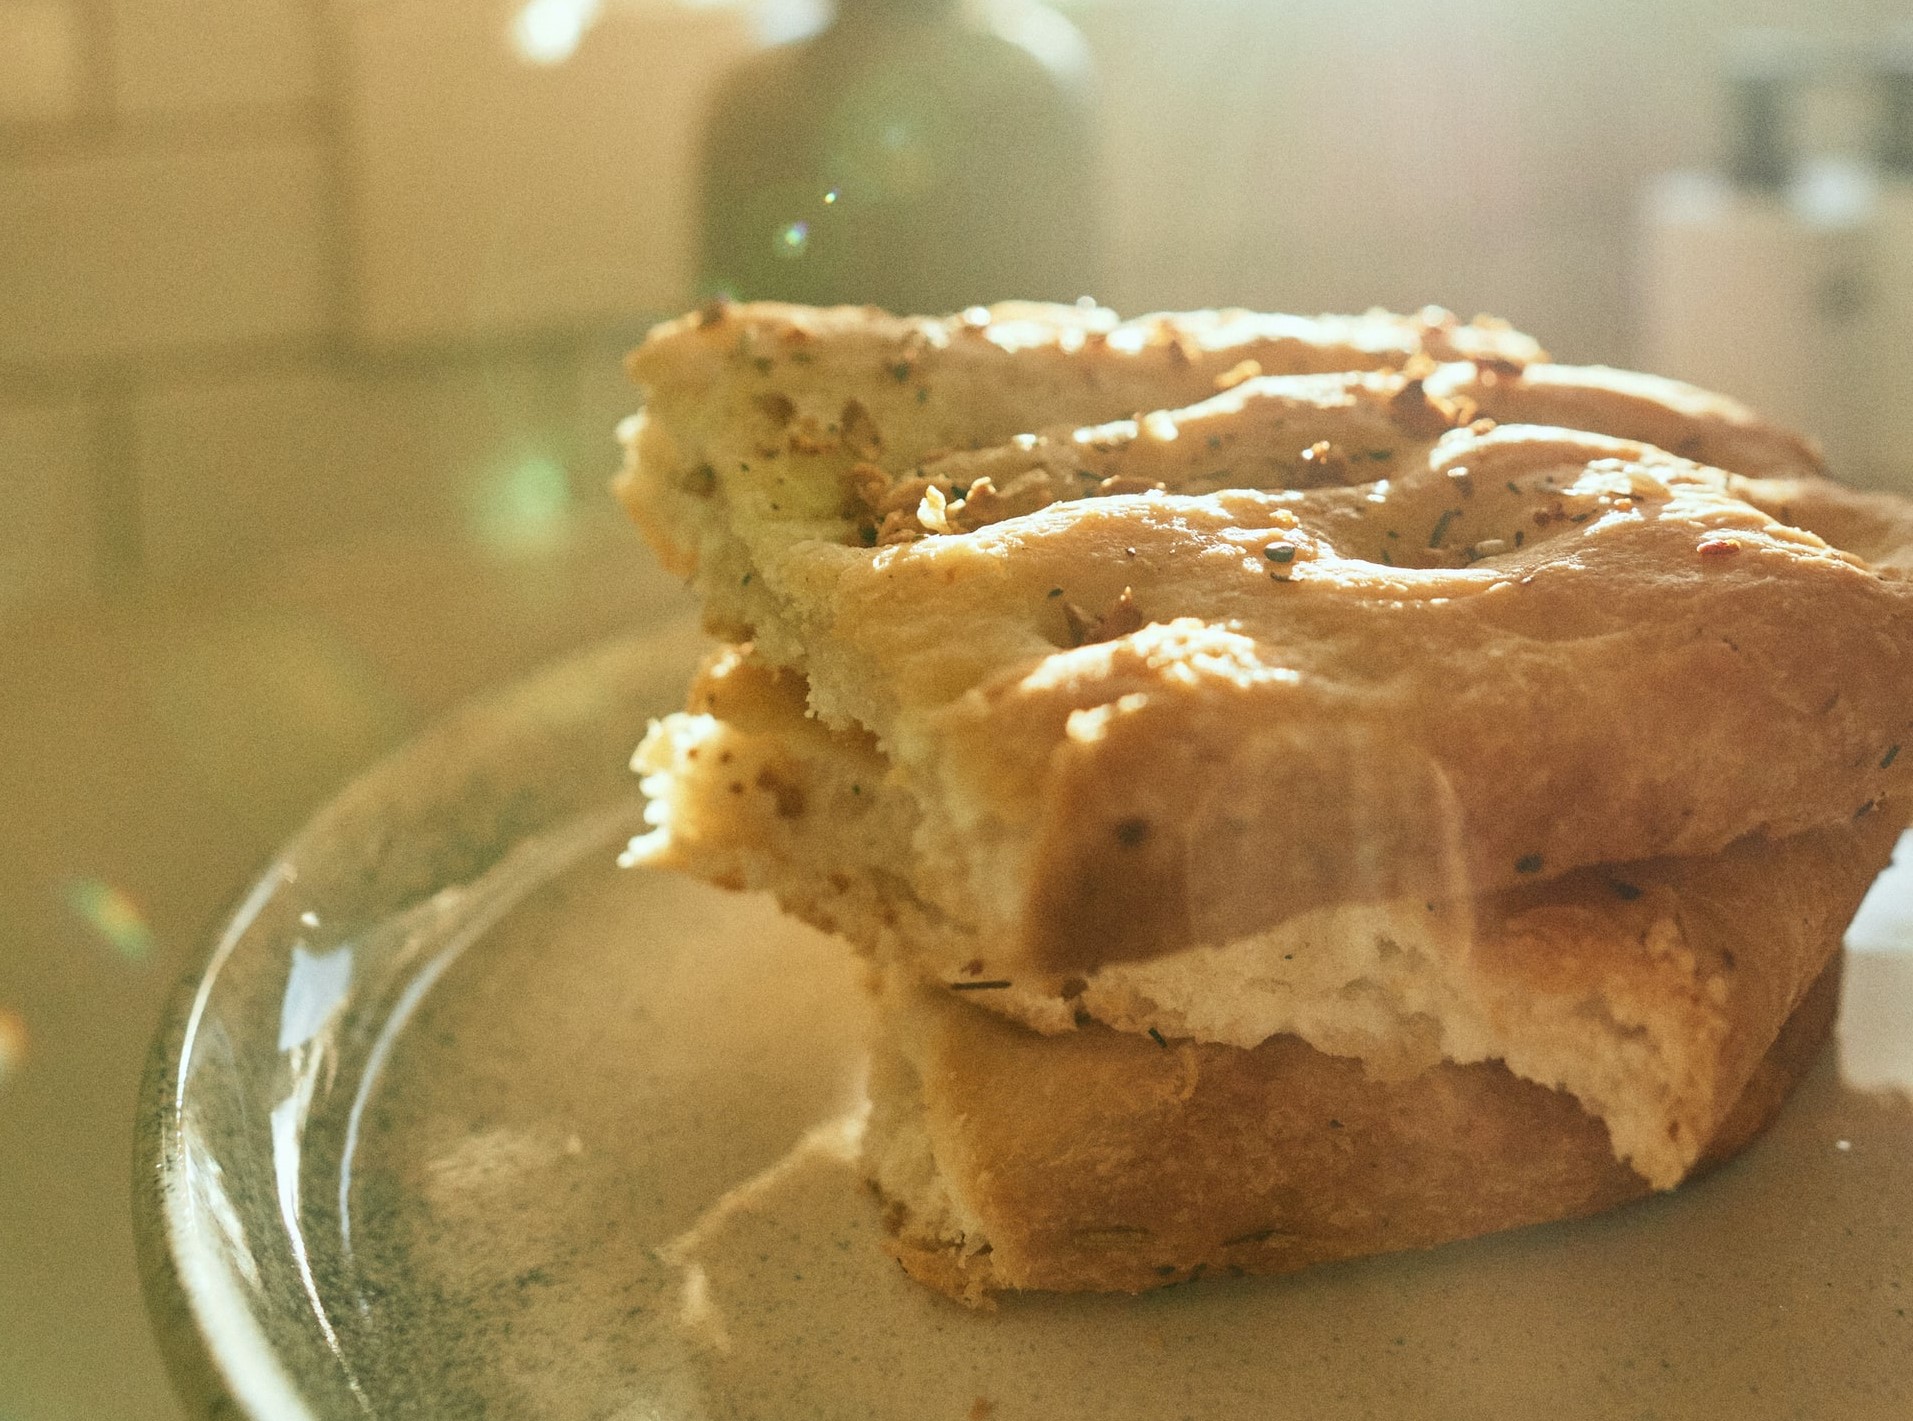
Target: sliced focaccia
(1308,787)
(1345,613)
(1645,991)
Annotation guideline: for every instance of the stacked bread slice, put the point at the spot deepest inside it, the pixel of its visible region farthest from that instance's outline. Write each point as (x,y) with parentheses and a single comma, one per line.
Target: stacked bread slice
(1306,787)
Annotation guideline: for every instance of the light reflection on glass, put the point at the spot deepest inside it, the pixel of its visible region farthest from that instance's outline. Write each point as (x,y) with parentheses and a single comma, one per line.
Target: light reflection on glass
(316,989)
(548,32)
(288,1128)
(13,1042)
(449,922)
(207,1181)
(112,914)
(491,1162)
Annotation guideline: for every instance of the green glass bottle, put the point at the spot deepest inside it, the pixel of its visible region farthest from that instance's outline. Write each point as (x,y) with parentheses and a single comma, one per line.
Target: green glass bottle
(910,155)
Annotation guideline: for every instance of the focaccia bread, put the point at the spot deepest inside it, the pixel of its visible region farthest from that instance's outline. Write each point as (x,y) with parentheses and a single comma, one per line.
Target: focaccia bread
(1384,724)
(1102,1161)
(1645,991)
(1372,1078)
(1112,662)
(756,416)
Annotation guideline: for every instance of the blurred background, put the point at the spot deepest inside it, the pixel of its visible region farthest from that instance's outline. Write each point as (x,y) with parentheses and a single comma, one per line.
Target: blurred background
(278,273)
(311,316)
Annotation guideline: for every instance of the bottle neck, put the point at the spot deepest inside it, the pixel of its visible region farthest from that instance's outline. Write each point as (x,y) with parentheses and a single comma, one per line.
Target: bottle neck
(850,12)
(1896,121)
(1765,70)
(1760,146)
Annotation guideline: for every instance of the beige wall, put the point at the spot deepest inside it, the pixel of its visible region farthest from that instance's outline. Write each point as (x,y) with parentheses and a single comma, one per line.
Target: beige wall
(283,271)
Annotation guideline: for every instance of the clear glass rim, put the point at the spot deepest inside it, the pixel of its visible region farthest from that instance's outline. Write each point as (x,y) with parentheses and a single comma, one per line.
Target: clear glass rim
(219,1359)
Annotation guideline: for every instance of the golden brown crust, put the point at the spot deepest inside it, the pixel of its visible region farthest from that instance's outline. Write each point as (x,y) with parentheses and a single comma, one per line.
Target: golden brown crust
(1024,341)
(1147,694)
(1325,430)
(1110,700)
(1647,990)
(757,414)
(1105,1162)
(1660,654)
(1877,527)
(1692,423)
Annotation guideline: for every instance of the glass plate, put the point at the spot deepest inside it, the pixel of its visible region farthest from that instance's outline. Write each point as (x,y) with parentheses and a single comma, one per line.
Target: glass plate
(460,1119)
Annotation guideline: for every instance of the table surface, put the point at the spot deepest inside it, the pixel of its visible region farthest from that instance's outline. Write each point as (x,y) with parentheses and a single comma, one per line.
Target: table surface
(154,751)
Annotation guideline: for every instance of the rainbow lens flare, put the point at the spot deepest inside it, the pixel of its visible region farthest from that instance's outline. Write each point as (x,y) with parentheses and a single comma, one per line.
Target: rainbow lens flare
(13,1042)
(111,914)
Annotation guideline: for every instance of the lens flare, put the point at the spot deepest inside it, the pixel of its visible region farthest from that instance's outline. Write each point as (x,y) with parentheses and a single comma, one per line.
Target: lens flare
(548,32)
(111,914)
(793,239)
(831,197)
(522,502)
(13,1042)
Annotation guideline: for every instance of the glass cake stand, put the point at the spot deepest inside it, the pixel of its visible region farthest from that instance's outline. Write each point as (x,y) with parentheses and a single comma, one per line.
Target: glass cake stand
(461,1119)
